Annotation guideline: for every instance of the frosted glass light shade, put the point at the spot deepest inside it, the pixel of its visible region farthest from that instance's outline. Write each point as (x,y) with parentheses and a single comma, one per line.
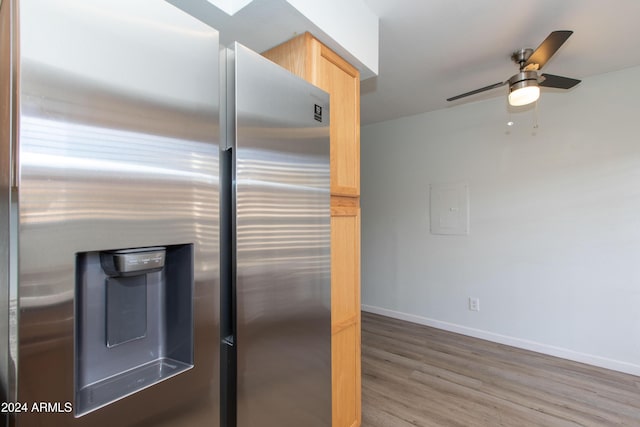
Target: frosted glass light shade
(524,95)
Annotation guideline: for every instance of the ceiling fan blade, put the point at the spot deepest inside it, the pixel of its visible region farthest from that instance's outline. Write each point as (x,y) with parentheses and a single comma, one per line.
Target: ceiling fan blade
(473,92)
(558,81)
(547,48)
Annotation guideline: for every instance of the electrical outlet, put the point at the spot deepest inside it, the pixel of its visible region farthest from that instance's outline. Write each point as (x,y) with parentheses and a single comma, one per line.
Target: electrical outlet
(474,304)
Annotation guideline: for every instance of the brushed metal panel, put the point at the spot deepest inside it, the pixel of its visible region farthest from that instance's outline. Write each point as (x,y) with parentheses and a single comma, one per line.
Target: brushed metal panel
(118,148)
(6,127)
(282,247)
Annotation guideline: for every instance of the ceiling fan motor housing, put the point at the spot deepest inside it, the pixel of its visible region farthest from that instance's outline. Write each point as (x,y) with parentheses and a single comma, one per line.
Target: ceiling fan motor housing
(523,79)
(523,88)
(521,56)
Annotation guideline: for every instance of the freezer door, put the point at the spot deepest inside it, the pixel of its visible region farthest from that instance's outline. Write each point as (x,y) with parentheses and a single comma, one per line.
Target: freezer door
(118,148)
(282,242)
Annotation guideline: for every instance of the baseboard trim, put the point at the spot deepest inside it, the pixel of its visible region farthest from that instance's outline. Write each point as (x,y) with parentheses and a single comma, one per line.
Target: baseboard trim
(602,362)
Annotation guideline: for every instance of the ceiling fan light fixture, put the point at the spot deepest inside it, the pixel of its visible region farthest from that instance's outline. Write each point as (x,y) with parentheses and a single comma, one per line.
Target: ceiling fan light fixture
(523,88)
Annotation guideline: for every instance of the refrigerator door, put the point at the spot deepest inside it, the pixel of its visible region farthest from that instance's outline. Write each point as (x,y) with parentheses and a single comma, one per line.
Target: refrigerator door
(7,374)
(118,148)
(282,247)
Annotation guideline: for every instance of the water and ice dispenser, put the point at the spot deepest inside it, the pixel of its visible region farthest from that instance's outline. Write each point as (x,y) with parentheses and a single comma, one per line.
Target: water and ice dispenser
(134,321)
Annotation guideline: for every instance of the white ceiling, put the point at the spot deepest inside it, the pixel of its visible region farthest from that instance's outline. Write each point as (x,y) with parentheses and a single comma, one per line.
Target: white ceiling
(431,50)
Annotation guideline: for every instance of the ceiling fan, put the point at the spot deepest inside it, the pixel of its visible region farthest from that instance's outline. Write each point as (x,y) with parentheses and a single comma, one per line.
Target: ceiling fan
(524,87)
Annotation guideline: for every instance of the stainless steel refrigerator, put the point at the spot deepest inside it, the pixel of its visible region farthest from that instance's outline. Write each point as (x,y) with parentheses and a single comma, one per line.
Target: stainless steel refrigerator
(109,203)
(276,164)
(140,238)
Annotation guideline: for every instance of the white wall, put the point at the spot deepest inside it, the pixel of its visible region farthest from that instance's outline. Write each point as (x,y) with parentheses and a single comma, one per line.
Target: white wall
(554,246)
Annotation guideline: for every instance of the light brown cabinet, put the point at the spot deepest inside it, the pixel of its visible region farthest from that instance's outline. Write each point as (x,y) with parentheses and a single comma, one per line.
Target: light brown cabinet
(306,57)
(345,315)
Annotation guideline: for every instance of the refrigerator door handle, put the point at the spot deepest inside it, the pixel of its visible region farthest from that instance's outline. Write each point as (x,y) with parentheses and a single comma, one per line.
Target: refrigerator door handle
(13,147)
(15,162)
(13,123)
(15,180)
(227,98)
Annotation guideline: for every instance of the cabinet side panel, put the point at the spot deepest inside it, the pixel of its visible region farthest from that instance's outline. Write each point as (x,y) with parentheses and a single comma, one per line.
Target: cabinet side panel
(344,372)
(344,268)
(345,117)
(291,55)
(345,290)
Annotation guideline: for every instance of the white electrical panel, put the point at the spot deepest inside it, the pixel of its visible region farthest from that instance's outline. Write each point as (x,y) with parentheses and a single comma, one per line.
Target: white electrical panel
(449,208)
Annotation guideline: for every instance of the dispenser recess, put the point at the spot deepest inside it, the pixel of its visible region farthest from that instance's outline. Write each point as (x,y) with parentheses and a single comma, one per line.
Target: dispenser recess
(134,321)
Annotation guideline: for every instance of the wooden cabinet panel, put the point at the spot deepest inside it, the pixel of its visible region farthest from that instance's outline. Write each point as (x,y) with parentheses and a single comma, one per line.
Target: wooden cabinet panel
(295,55)
(345,314)
(344,266)
(342,81)
(346,394)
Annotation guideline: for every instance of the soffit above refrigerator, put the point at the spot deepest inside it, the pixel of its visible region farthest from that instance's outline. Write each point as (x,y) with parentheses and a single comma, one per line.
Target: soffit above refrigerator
(348,28)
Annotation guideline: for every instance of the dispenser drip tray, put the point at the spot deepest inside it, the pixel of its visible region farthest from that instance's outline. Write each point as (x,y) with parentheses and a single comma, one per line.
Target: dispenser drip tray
(122,385)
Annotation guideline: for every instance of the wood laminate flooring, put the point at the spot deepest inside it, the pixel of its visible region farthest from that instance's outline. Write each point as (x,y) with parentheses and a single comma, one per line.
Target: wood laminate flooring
(414,375)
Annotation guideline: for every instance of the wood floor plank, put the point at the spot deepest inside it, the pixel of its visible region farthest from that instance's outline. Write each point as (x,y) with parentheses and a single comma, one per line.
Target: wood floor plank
(414,375)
